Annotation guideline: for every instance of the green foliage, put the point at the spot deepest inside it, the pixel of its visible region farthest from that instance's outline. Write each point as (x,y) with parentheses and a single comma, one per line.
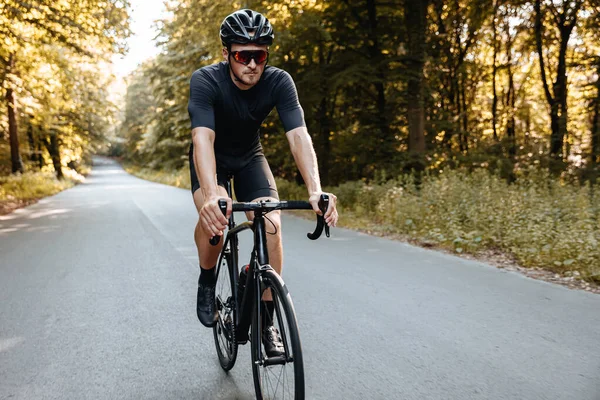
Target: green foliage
(34,185)
(156,123)
(350,65)
(92,27)
(53,56)
(178,178)
(541,222)
(290,191)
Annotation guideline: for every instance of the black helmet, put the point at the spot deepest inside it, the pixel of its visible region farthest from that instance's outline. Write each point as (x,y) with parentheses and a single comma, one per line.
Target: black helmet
(235,27)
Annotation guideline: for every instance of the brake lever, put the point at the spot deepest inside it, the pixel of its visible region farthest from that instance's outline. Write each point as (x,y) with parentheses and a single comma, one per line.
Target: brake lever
(323,205)
(223,206)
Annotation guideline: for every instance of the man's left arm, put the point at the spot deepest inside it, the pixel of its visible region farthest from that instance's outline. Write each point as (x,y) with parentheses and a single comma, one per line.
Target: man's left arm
(306,160)
(292,118)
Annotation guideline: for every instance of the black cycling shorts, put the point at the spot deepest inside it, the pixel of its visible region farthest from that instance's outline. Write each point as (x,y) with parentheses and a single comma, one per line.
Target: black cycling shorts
(251,180)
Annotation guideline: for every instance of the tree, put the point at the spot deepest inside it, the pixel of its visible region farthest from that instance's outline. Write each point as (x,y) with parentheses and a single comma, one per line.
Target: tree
(595,130)
(415,16)
(455,30)
(565,19)
(381,82)
(94,29)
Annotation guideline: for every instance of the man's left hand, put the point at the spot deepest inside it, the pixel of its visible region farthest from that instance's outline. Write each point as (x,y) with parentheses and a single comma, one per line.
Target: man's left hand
(331,215)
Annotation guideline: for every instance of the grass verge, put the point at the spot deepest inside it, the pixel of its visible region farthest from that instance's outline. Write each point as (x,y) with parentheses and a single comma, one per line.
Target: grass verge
(180,178)
(538,222)
(20,190)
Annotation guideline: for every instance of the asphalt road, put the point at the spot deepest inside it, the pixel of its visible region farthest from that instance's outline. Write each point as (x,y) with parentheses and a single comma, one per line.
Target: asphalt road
(97,301)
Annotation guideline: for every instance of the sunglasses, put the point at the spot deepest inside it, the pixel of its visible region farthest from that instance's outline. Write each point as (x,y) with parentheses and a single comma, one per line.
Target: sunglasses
(245,56)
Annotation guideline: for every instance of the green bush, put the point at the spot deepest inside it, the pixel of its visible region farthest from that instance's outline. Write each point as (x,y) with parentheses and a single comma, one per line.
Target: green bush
(290,191)
(33,185)
(178,178)
(540,221)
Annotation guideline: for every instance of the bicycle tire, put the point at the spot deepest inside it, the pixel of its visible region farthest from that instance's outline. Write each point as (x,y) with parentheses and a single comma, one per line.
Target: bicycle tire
(284,315)
(224,330)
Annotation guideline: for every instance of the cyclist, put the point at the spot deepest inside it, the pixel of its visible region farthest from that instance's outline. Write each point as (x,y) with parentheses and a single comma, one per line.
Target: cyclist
(228,102)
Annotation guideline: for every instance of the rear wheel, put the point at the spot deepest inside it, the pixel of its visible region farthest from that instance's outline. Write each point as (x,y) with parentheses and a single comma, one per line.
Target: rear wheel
(224,330)
(279,377)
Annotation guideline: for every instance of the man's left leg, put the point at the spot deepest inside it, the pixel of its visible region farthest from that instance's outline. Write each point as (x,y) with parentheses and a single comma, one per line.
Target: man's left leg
(255,181)
(271,338)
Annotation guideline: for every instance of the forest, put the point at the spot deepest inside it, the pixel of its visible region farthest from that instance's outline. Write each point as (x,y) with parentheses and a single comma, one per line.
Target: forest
(479,97)
(386,86)
(390,87)
(55,101)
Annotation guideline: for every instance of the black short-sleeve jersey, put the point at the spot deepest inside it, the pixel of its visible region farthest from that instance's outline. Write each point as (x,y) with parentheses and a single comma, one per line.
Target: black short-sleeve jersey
(236,115)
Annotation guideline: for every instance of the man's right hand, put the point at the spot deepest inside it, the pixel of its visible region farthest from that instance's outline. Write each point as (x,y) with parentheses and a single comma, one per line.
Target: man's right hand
(213,220)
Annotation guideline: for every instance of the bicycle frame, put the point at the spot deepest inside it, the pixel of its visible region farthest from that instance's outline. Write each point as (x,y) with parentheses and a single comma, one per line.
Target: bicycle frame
(259,261)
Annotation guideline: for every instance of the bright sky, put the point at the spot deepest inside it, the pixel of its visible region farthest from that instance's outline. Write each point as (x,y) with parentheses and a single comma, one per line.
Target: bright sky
(141,43)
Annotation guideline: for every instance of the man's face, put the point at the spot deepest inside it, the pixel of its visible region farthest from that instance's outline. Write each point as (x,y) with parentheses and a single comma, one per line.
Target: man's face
(249,74)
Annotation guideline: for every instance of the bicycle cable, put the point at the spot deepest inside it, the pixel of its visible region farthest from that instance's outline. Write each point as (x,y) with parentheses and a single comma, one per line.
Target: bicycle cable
(275,227)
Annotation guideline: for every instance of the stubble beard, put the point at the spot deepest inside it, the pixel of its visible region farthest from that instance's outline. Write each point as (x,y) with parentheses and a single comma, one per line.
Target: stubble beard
(250,78)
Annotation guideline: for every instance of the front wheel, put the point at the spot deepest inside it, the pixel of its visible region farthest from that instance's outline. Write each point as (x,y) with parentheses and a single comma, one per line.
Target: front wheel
(224,330)
(279,377)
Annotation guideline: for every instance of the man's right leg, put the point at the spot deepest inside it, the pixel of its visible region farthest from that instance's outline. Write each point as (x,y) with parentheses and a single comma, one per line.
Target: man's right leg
(208,256)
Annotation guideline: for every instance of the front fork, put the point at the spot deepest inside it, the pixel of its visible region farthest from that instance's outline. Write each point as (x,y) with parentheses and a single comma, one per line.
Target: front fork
(259,288)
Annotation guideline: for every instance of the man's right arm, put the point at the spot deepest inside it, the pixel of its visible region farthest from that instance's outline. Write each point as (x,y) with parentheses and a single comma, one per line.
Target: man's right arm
(204,161)
(212,219)
(201,109)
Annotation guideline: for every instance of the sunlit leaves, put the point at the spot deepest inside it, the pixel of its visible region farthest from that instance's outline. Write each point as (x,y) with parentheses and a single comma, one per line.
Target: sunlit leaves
(350,61)
(58,52)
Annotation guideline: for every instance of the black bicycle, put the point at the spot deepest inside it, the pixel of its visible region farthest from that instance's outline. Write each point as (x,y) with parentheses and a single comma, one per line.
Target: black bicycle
(238,302)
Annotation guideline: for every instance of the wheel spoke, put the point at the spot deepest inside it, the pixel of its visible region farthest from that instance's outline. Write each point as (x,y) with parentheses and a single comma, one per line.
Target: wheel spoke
(278,378)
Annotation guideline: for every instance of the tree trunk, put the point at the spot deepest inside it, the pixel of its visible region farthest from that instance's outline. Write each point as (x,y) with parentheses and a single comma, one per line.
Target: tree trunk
(596,132)
(53,147)
(551,101)
(13,132)
(31,141)
(465,115)
(560,93)
(494,72)
(595,150)
(459,112)
(40,157)
(555,137)
(386,147)
(415,15)
(510,98)
(527,124)
(510,124)
(566,21)
(453,108)
(324,145)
